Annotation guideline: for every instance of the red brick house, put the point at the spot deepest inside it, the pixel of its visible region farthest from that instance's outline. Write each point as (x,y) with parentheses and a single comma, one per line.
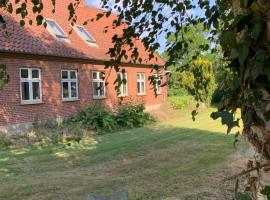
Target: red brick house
(54,74)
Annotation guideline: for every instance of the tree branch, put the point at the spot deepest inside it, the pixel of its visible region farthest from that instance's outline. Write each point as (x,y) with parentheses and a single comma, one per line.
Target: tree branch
(246,172)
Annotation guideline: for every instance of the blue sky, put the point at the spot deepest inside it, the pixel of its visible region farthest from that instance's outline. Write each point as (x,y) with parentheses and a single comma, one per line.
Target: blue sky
(94,3)
(162,40)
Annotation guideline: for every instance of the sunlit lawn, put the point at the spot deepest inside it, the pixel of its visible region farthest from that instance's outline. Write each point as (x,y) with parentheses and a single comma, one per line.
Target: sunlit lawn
(173,159)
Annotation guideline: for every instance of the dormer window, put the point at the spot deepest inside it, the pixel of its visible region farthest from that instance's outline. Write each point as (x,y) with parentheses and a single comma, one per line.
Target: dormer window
(84,34)
(56,29)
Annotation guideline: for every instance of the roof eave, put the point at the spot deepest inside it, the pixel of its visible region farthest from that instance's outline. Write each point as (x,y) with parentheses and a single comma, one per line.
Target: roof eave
(24,55)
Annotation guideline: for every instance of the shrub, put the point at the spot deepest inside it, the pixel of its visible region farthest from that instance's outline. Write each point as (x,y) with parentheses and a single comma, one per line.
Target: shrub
(131,116)
(174,91)
(75,128)
(98,118)
(5,143)
(102,119)
(180,102)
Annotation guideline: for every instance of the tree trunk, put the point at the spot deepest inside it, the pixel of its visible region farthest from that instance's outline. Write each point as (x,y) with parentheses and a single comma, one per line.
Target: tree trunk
(257,132)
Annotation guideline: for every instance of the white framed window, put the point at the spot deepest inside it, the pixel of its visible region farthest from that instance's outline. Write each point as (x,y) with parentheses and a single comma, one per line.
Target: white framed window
(98,80)
(140,83)
(56,29)
(69,79)
(30,85)
(123,87)
(157,83)
(84,34)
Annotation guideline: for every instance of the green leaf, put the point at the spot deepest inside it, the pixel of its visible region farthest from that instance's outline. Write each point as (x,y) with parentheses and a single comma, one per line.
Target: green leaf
(194,113)
(242,196)
(227,118)
(257,31)
(241,21)
(243,54)
(266,191)
(228,38)
(22,22)
(257,70)
(39,19)
(10,8)
(245,3)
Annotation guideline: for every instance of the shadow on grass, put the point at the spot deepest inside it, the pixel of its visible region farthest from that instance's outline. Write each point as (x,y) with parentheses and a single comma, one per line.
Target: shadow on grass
(111,146)
(153,162)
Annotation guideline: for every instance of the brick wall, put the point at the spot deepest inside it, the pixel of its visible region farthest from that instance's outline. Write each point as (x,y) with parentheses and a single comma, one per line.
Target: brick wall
(52,106)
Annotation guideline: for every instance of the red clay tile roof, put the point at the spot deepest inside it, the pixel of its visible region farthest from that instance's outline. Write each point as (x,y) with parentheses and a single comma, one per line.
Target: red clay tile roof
(37,40)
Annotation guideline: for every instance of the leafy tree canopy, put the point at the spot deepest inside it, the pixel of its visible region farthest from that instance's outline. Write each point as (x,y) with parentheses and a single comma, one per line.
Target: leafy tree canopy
(196,76)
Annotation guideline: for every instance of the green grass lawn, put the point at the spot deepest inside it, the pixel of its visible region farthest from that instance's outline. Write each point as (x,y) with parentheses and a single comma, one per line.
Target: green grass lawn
(173,159)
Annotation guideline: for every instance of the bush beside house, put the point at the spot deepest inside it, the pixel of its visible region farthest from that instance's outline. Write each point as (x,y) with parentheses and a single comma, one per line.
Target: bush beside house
(90,121)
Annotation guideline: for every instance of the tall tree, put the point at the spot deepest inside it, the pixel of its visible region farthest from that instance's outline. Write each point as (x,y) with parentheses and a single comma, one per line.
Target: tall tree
(185,71)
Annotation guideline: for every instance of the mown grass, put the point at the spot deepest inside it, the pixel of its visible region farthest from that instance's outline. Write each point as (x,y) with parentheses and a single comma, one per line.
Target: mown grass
(176,158)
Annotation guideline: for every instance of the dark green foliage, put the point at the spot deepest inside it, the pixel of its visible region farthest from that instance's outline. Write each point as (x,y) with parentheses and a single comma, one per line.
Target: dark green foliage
(96,118)
(131,116)
(266,191)
(5,143)
(227,119)
(217,96)
(100,118)
(243,196)
(193,69)
(92,120)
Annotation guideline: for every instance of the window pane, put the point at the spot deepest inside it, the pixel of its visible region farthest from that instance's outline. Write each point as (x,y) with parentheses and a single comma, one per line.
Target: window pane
(102,89)
(24,73)
(35,73)
(73,75)
(36,90)
(25,91)
(124,79)
(138,76)
(74,89)
(125,76)
(101,75)
(119,77)
(65,90)
(64,74)
(142,76)
(138,87)
(95,89)
(142,88)
(85,34)
(94,75)
(57,30)
(124,89)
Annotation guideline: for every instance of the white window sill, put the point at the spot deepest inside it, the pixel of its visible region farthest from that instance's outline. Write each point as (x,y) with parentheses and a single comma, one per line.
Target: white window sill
(97,98)
(69,100)
(91,44)
(124,95)
(141,94)
(31,102)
